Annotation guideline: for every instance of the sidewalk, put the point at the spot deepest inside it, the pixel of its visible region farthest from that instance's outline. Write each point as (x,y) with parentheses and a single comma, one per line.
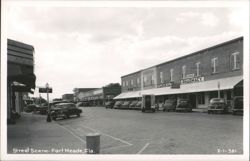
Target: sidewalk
(33,135)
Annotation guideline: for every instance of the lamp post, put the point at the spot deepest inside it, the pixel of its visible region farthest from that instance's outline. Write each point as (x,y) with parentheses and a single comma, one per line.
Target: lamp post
(47,91)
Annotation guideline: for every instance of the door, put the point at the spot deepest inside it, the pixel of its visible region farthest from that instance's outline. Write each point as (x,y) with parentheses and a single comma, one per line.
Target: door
(192,99)
(147,102)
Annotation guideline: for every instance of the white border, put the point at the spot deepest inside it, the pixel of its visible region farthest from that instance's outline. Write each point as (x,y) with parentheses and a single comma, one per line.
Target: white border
(5,156)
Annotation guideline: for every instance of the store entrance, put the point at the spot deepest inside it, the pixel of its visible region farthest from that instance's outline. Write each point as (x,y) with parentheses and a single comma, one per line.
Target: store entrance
(192,98)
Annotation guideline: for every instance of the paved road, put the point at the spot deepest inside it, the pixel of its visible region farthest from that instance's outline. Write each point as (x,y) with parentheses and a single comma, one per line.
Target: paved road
(134,132)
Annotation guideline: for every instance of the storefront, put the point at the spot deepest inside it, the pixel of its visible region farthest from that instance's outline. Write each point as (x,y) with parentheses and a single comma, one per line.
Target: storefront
(213,72)
(20,77)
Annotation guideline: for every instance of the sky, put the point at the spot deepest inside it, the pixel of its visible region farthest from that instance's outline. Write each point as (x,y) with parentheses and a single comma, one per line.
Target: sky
(83,47)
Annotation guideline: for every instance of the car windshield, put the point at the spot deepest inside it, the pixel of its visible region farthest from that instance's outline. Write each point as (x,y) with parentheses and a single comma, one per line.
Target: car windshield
(217,100)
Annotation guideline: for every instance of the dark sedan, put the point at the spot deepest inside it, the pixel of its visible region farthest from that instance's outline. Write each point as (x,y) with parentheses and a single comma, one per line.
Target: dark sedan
(237,105)
(183,105)
(169,105)
(109,104)
(65,110)
(217,105)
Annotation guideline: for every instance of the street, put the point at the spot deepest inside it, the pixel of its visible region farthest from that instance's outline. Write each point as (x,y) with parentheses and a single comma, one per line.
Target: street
(134,132)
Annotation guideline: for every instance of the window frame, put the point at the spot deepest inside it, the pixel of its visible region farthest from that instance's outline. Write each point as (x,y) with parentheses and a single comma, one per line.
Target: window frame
(183,69)
(171,74)
(197,64)
(214,66)
(235,55)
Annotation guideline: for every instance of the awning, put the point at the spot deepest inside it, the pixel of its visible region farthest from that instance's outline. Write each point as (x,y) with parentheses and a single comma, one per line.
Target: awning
(210,85)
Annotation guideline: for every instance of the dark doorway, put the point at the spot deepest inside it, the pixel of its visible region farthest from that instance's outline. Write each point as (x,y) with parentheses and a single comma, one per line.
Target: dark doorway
(192,98)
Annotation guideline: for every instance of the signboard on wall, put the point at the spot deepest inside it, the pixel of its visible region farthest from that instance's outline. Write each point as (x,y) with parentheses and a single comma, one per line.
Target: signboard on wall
(192,80)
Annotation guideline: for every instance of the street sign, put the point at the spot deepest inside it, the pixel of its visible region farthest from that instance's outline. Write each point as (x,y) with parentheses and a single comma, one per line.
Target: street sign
(45,90)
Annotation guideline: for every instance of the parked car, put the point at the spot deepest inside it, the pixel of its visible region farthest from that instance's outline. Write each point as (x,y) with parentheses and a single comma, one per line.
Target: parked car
(183,105)
(133,104)
(118,104)
(217,105)
(109,104)
(138,106)
(42,109)
(125,105)
(160,106)
(169,105)
(30,108)
(65,110)
(237,107)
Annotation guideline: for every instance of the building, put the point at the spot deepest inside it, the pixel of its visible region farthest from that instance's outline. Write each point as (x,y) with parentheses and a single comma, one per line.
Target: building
(98,96)
(68,97)
(197,76)
(20,76)
(79,93)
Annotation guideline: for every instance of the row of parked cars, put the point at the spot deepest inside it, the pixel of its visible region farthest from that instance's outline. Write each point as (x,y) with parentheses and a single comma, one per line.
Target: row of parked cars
(169,105)
(216,105)
(58,109)
(123,104)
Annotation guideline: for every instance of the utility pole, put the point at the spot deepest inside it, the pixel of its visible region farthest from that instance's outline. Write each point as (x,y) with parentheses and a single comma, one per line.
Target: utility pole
(218,89)
(47,91)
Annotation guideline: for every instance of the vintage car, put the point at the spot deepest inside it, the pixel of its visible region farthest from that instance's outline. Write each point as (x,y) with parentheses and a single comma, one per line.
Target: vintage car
(217,105)
(42,109)
(183,105)
(138,106)
(118,104)
(237,106)
(125,105)
(109,104)
(169,105)
(65,110)
(133,104)
(31,108)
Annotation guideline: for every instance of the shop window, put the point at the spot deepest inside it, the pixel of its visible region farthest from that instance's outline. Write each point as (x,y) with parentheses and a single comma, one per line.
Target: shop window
(235,61)
(201,98)
(152,80)
(197,68)
(183,71)
(214,65)
(171,74)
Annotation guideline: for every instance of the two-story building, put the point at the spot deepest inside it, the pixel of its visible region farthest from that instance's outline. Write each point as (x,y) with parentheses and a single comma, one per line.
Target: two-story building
(199,76)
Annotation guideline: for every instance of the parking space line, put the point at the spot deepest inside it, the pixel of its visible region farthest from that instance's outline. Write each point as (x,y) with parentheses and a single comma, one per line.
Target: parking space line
(139,152)
(72,133)
(115,138)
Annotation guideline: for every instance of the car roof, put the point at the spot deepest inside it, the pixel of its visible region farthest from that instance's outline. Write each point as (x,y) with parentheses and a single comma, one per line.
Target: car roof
(65,104)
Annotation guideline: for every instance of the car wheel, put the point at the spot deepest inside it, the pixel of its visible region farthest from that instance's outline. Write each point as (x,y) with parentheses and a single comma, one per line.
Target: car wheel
(54,118)
(78,115)
(143,110)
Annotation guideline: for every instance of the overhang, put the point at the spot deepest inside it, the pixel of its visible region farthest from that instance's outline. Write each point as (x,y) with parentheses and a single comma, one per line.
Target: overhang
(210,85)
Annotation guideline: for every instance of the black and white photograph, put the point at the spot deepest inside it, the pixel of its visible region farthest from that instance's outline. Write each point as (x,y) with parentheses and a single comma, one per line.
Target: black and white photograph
(125,80)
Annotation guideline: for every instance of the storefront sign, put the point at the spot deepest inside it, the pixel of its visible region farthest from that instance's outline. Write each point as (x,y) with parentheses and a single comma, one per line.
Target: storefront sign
(192,80)
(164,85)
(175,85)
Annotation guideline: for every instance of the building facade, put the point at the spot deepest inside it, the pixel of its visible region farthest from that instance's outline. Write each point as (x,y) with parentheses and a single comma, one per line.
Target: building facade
(20,76)
(98,96)
(68,97)
(197,76)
